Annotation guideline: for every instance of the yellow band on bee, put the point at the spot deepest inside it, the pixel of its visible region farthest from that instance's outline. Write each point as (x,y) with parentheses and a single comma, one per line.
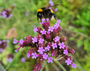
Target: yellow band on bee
(39,10)
(51,10)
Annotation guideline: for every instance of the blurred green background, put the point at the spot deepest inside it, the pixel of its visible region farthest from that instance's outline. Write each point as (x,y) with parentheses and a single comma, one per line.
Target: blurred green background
(75,25)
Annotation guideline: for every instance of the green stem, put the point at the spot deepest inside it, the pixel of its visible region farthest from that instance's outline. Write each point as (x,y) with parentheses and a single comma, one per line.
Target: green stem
(44,62)
(61,66)
(46,66)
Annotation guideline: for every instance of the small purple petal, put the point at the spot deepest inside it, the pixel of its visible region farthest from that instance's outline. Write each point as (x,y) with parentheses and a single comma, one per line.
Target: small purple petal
(50,60)
(50,2)
(15,41)
(28,55)
(73,65)
(58,21)
(68,61)
(23,59)
(21,41)
(0,42)
(16,51)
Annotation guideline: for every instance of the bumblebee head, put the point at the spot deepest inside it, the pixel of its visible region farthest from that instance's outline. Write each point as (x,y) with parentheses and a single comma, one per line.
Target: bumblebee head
(39,13)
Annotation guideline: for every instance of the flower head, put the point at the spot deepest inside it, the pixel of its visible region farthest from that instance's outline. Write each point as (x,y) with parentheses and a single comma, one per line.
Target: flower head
(9,59)
(34,39)
(0,42)
(73,65)
(61,45)
(50,60)
(50,2)
(50,28)
(1,50)
(43,32)
(47,48)
(56,25)
(40,50)
(23,59)
(57,38)
(28,55)
(58,21)
(54,45)
(45,56)
(41,40)
(35,29)
(15,41)
(21,41)
(68,61)
(65,52)
(34,55)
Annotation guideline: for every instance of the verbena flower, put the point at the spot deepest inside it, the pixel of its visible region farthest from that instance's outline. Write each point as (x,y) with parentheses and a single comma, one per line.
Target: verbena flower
(23,59)
(50,2)
(47,44)
(50,60)
(51,29)
(54,45)
(41,50)
(61,45)
(35,29)
(15,41)
(10,57)
(45,56)
(73,65)
(34,39)
(65,52)
(41,40)
(3,45)
(68,61)
(34,55)
(6,13)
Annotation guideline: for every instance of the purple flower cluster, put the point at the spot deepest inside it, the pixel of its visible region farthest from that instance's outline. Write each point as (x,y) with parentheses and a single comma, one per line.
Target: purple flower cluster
(6,13)
(3,45)
(46,44)
(51,6)
(10,57)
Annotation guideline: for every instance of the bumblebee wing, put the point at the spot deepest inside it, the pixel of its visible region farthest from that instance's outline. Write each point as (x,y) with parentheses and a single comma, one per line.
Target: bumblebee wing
(52,6)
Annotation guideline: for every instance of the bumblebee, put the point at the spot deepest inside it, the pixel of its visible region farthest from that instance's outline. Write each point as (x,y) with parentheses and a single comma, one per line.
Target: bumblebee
(46,13)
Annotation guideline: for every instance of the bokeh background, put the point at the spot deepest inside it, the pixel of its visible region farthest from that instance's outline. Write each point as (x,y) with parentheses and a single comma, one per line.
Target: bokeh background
(75,25)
